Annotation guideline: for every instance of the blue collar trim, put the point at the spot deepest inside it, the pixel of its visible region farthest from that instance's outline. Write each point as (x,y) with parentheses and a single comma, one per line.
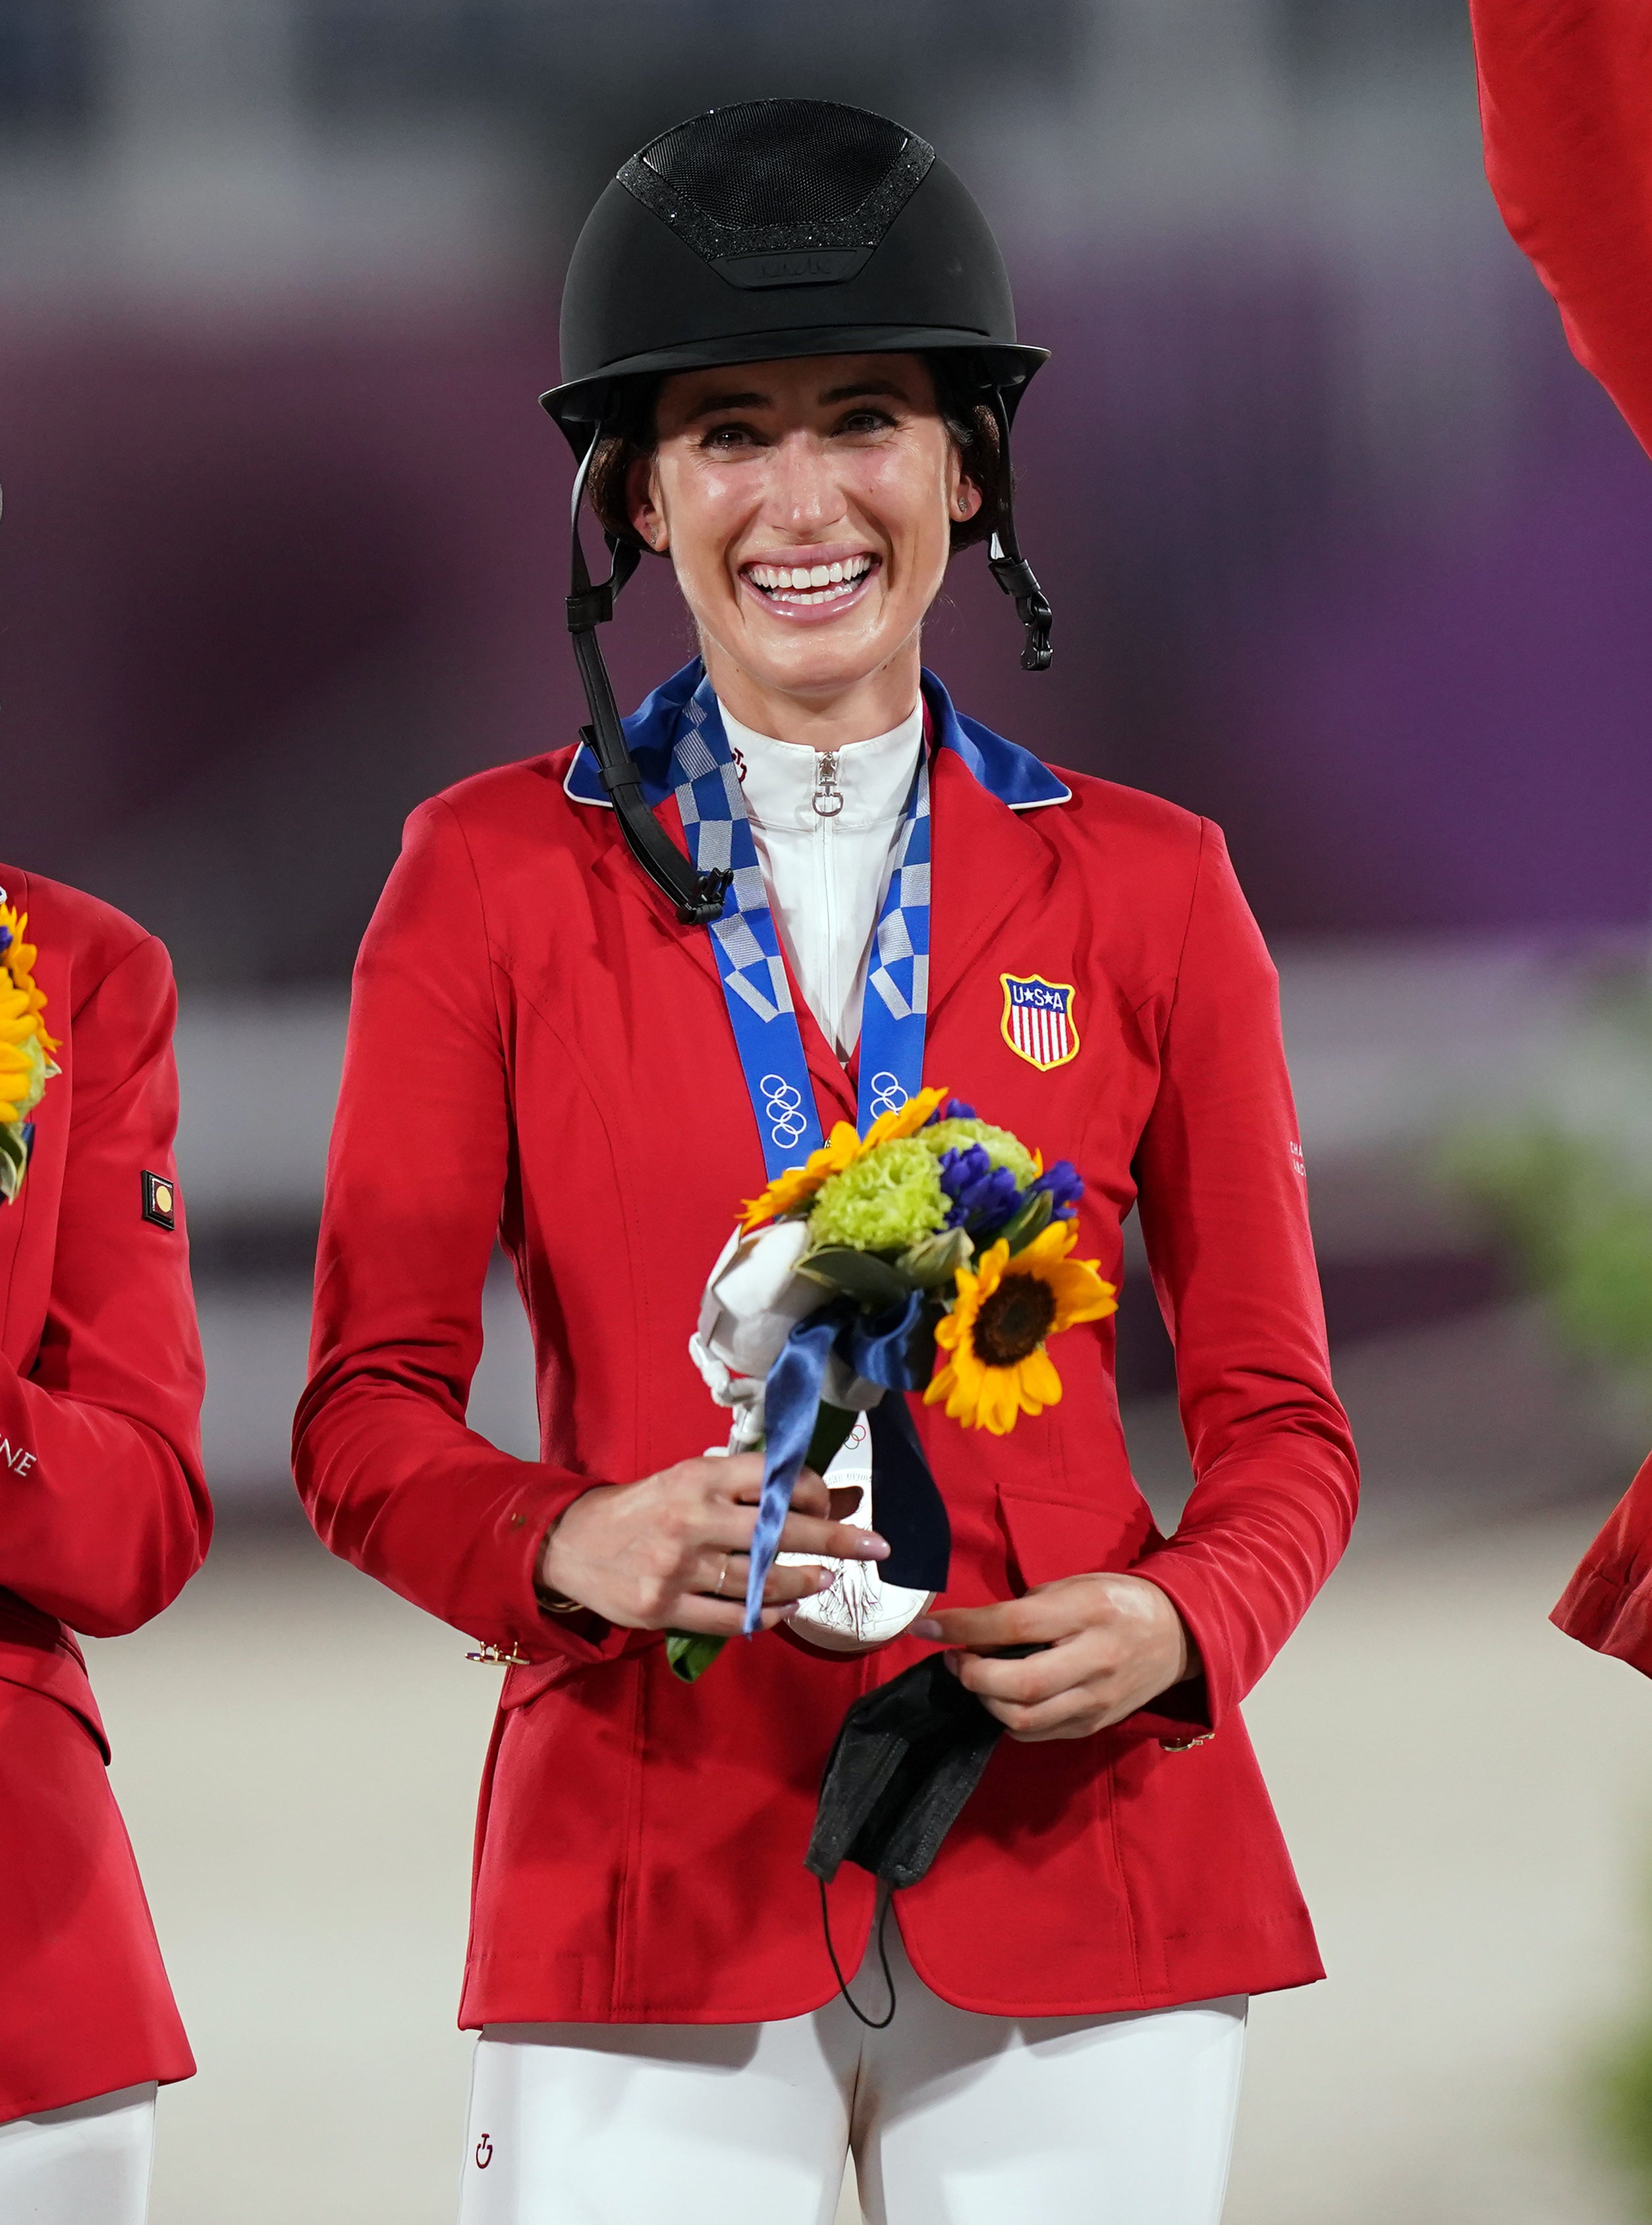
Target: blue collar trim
(1014,775)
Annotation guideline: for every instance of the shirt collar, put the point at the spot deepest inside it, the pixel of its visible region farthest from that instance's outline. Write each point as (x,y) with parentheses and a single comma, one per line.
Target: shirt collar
(1013,775)
(871,778)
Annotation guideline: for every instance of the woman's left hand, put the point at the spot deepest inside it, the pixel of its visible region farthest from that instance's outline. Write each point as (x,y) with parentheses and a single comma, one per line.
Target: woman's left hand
(1112,1644)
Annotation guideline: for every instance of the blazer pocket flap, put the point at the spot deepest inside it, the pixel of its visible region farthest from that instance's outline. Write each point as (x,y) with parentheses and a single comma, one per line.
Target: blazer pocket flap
(1054,1538)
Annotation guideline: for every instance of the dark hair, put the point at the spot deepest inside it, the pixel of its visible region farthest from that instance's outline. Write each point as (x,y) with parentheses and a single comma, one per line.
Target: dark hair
(970,422)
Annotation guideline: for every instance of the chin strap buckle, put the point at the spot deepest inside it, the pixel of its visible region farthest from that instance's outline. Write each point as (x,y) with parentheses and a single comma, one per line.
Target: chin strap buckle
(707,905)
(1015,576)
(1007,564)
(592,607)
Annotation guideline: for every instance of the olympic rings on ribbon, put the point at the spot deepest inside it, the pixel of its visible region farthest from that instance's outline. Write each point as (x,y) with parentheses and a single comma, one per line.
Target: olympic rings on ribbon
(888,1095)
(783,1108)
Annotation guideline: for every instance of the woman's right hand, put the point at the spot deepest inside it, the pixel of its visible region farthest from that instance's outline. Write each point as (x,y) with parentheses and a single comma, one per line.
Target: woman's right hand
(672,1552)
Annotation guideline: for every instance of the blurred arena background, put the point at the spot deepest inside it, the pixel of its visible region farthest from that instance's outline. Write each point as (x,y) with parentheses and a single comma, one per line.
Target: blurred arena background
(1345,552)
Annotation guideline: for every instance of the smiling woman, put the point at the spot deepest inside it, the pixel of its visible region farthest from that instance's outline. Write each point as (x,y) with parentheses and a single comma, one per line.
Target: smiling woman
(790,366)
(809,516)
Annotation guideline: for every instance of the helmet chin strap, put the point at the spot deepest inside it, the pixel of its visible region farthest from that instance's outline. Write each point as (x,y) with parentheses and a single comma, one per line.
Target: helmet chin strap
(697,898)
(1009,568)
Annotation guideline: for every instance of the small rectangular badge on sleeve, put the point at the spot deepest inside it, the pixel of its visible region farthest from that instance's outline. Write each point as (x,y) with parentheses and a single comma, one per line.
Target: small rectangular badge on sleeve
(160,1201)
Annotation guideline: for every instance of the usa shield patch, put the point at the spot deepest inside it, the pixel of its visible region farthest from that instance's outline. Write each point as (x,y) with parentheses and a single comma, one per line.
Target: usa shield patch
(1038,1019)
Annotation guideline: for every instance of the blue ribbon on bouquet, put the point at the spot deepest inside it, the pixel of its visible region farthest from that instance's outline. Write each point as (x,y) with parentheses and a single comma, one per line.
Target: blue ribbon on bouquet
(906,1505)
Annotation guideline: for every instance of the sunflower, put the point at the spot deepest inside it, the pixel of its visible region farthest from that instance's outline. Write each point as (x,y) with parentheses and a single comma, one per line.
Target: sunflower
(15,1081)
(798,1184)
(905,1120)
(787,1191)
(25,1067)
(997,1368)
(17,959)
(23,1073)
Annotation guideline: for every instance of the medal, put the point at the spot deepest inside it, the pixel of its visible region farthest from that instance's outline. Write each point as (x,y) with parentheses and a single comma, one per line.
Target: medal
(860,1611)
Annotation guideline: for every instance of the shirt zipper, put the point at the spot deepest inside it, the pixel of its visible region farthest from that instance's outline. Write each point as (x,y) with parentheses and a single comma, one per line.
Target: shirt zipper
(828,797)
(828,801)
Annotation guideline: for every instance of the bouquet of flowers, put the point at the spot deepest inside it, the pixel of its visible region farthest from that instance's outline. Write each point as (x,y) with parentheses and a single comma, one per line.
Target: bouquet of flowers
(931,1254)
(25,1050)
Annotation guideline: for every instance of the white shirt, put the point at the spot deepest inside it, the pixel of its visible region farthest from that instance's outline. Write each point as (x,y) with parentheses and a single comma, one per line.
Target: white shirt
(825,869)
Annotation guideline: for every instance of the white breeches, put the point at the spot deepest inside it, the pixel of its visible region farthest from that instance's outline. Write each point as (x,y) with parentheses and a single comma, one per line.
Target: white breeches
(87,2164)
(953,2119)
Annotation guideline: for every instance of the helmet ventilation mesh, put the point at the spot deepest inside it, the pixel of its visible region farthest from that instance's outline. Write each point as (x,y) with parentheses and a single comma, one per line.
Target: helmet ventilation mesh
(779,176)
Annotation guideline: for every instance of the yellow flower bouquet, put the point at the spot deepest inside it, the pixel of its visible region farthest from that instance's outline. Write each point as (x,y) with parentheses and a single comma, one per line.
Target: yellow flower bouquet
(934,1254)
(26,1064)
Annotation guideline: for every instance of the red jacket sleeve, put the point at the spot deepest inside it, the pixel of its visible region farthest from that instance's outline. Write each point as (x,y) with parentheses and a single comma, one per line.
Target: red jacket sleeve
(112,1517)
(1566,96)
(1608,1603)
(1223,1212)
(392,1477)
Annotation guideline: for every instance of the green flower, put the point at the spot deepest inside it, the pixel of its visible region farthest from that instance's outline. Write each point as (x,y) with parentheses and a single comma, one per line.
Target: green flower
(1000,1146)
(884,1202)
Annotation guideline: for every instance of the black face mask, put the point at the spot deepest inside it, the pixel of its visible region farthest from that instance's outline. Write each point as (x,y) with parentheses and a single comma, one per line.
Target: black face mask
(906,1759)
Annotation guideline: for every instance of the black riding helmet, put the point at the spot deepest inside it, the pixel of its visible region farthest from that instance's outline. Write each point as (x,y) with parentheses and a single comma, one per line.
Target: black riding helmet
(775,228)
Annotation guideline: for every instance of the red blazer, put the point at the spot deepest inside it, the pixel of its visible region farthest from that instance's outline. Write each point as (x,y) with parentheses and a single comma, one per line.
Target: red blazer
(538,1050)
(1566,95)
(103,1513)
(1566,100)
(1608,1603)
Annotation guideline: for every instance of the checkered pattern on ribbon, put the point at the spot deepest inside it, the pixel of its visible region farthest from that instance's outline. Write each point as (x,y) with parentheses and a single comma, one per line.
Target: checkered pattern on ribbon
(900,971)
(714,820)
(713,812)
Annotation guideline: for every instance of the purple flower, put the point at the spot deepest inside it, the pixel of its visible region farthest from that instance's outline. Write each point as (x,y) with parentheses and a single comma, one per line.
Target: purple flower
(953,1109)
(984,1197)
(1066,1187)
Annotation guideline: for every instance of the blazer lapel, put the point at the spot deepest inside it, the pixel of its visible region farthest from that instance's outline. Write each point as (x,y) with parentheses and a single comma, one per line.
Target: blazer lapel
(986,860)
(622,872)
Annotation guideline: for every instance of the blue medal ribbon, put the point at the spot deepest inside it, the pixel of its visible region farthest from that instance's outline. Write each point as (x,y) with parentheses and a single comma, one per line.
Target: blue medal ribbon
(746,943)
(747,948)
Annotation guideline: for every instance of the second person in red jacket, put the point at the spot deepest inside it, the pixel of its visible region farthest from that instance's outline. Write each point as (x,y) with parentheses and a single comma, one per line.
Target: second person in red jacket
(103,1517)
(1566,93)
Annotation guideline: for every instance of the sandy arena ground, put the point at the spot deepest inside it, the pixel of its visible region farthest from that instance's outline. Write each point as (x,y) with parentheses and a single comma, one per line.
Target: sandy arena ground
(1468,1796)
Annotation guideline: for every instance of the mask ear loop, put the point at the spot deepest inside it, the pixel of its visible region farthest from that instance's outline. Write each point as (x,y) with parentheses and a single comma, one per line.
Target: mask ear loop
(1007,564)
(697,898)
(872,2023)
